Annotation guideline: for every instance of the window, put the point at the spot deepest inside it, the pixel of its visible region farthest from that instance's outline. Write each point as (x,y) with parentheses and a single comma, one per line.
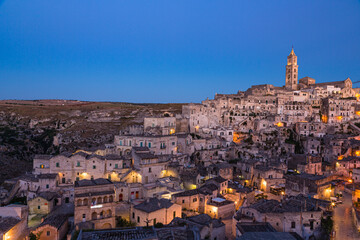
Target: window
(173,143)
(78,164)
(141,144)
(47,185)
(116,165)
(84,215)
(94,166)
(149,145)
(120,143)
(174,214)
(48,233)
(133,215)
(149,169)
(195,200)
(77,178)
(183,201)
(138,219)
(38,207)
(42,166)
(292,224)
(57,164)
(154,221)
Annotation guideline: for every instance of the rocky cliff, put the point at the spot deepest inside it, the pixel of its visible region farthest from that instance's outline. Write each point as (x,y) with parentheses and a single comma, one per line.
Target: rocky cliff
(53,126)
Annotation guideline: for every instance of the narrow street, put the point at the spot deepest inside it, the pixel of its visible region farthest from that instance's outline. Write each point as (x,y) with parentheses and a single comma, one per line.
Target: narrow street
(343,220)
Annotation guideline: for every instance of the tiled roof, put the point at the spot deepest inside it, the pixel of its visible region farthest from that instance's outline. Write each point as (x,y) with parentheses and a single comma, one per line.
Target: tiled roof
(55,221)
(48,195)
(153,204)
(120,234)
(99,181)
(255,227)
(6,223)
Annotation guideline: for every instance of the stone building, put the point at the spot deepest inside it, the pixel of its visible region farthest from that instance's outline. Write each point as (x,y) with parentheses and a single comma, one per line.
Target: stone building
(95,203)
(44,203)
(337,110)
(298,214)
(13,221)
(154,210)
(158,144)
(160,125)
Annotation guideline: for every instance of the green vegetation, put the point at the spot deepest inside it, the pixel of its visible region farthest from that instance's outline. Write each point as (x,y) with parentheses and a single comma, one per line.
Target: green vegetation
(327,224)
(122,222)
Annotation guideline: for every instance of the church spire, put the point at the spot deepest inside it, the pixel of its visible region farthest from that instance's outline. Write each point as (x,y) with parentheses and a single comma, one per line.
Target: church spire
(292,50)
(291,77)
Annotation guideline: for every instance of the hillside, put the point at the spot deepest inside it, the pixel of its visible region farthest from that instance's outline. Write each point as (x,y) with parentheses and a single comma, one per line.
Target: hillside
(29,127)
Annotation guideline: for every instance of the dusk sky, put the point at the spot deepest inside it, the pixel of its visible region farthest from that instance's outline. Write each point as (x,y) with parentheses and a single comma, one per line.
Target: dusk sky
(170,51)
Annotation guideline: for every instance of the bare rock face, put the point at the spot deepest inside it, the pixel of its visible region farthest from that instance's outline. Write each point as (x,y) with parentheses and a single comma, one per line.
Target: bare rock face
(53,126)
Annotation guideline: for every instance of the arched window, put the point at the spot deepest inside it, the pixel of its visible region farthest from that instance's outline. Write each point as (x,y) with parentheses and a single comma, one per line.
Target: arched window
(105,199)
(85,202)
(79,202)
(120,197)
(109,213)
(99,200)
(94,216)
(111,199)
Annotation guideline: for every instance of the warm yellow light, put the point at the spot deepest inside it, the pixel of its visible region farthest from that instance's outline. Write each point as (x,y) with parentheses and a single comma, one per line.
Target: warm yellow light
(339,118)
(7,236)
(172,131)
(357,113)
(357,153)
(350,180)
(324,119)
(279,124)
(332,204)
(84,174)
(264,183)
(282,193)
(192,186)
(340,157)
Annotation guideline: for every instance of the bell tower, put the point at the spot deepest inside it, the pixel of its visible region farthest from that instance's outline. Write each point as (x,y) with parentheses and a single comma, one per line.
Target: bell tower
(291,81)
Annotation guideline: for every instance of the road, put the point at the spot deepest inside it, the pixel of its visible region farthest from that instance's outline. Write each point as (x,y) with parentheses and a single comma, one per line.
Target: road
(343,220)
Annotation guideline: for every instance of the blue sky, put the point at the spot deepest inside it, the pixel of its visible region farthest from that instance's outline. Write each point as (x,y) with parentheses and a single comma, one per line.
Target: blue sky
(170,51)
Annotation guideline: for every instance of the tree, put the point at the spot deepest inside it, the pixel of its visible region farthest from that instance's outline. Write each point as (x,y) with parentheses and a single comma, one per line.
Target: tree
(327,224)
(33,236)
(122,222)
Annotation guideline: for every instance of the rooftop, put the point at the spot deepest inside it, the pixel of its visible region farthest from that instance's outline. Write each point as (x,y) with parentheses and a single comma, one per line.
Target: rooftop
(255,227)
(86,183)
(6,223)
(153,204)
